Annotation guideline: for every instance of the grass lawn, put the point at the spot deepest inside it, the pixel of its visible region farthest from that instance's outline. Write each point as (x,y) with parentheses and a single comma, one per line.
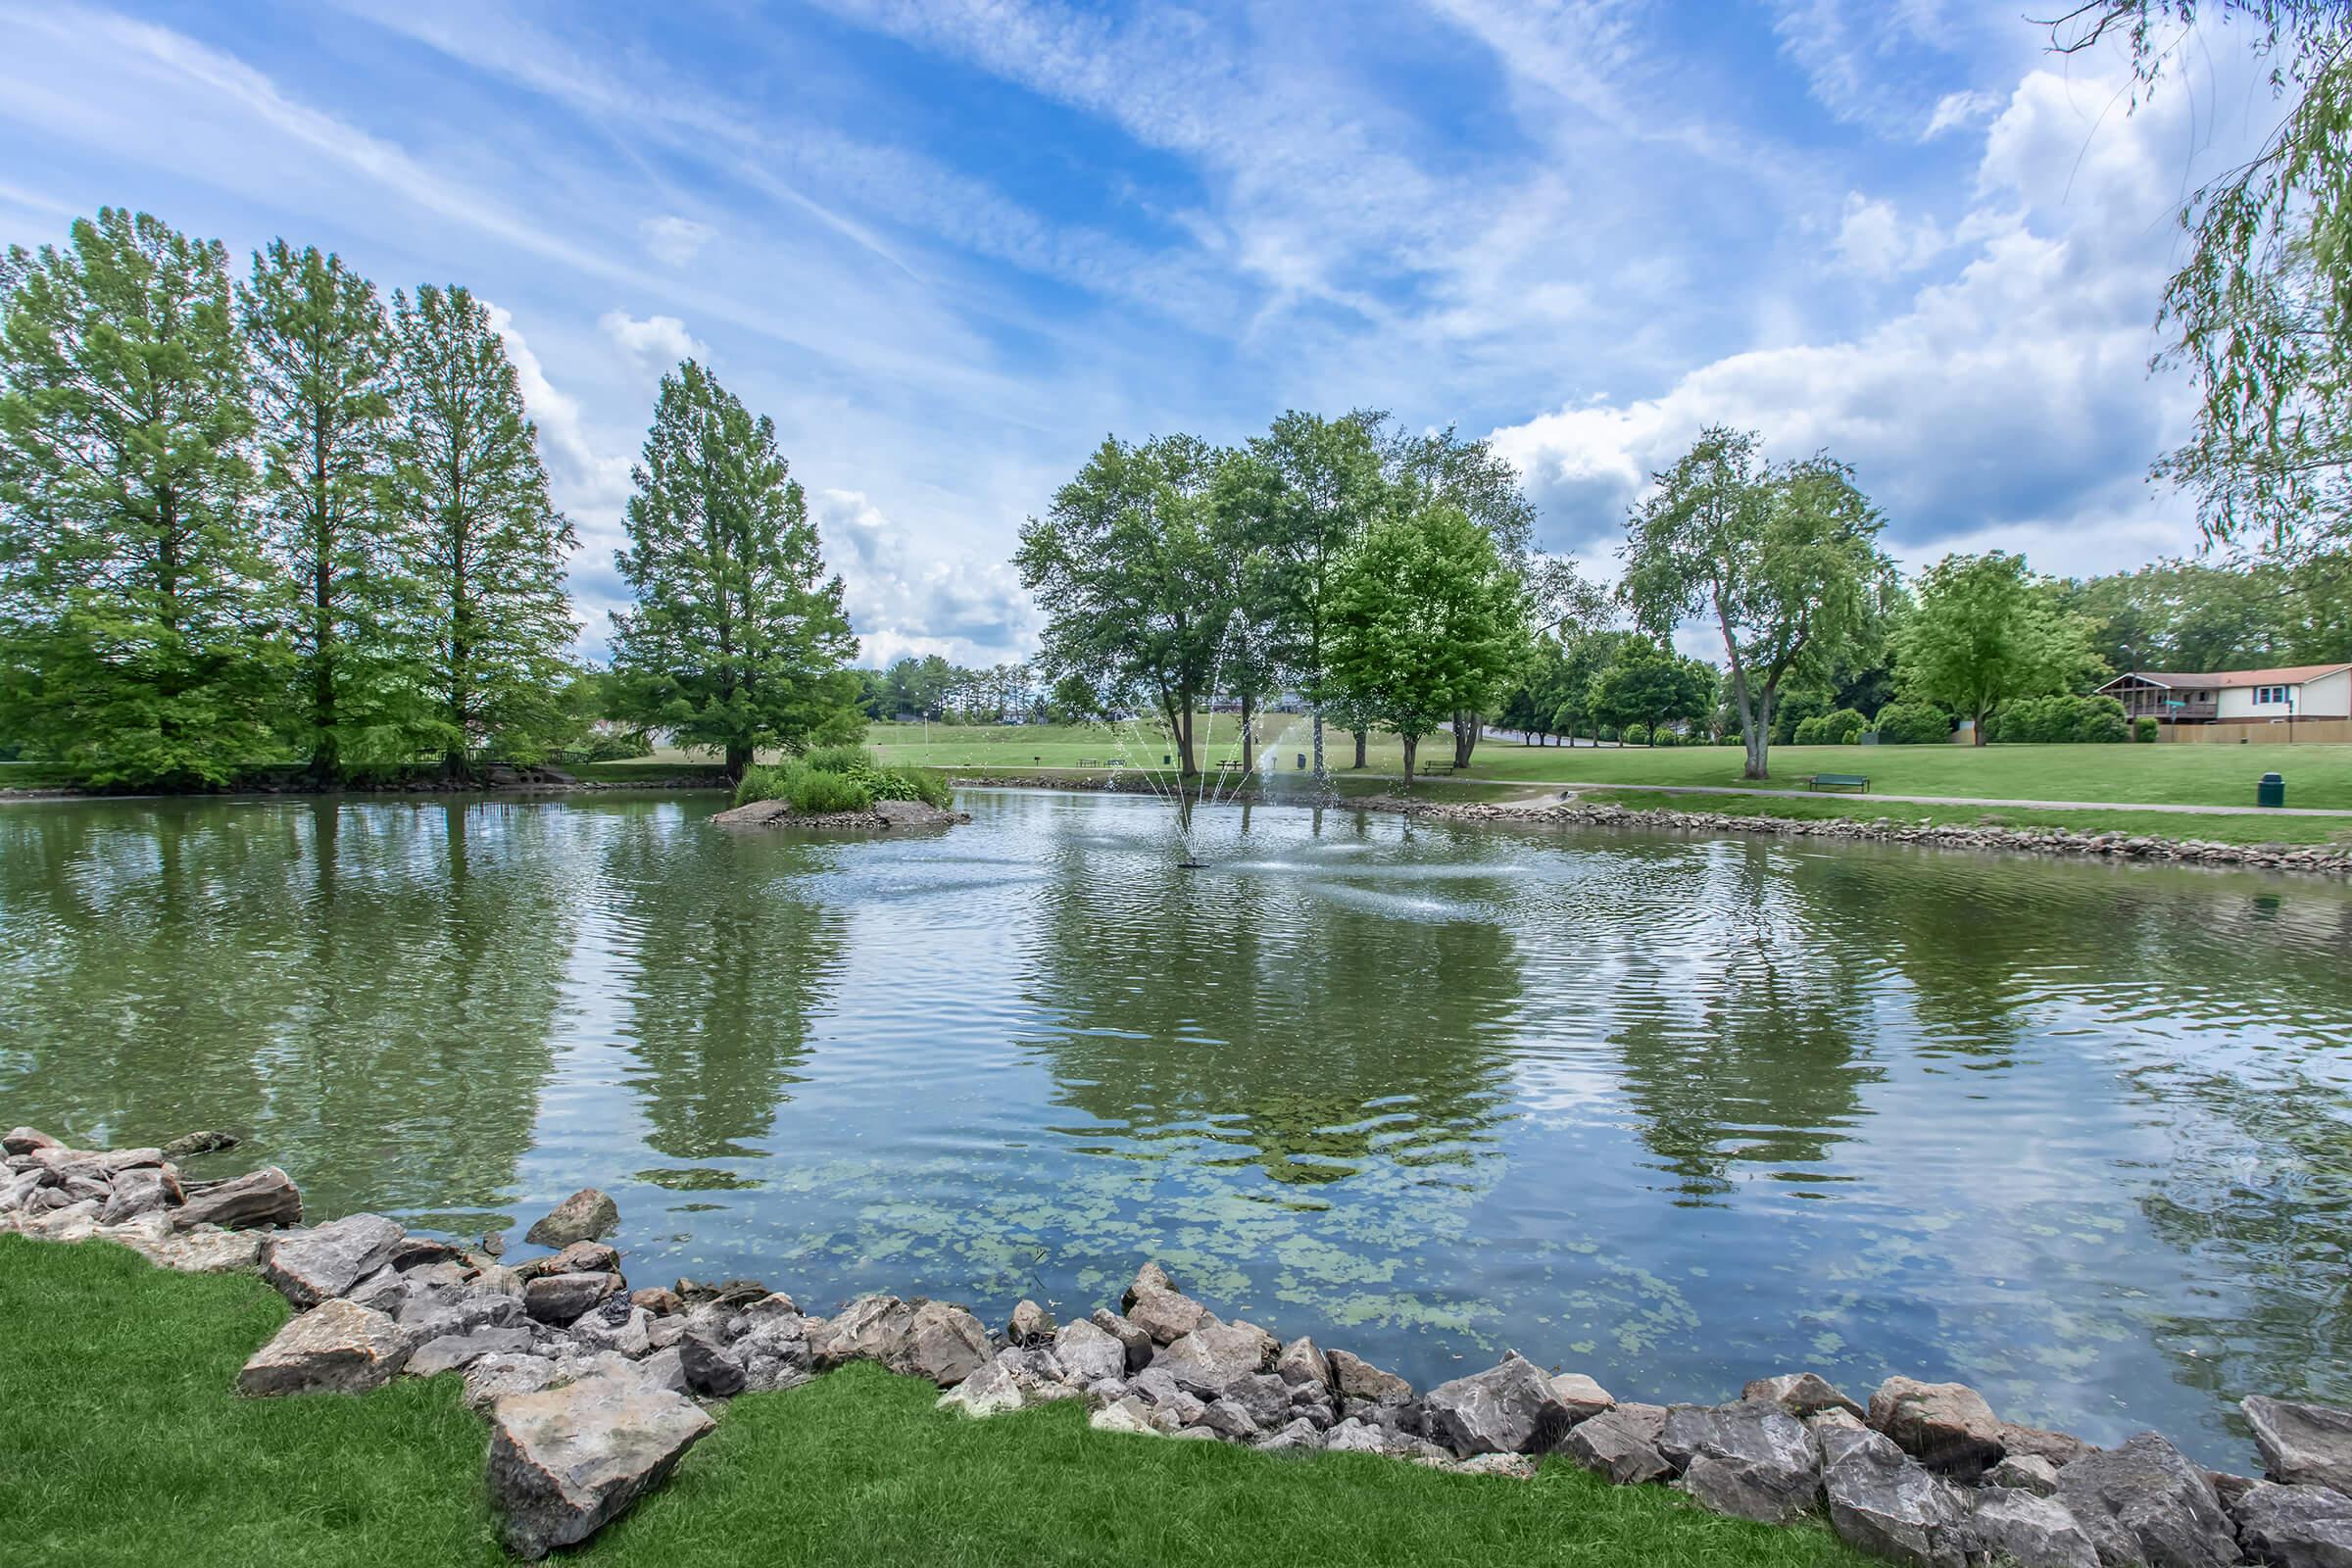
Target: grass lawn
(2160,774)
(124,1445)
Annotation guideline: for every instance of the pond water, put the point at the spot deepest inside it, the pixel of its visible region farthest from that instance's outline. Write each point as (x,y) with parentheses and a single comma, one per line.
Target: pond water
(1673,1112)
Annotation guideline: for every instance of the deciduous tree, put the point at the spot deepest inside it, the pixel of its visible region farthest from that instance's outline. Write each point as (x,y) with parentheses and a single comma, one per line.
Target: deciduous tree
(1429,620)
(1984,632)
(1782,562)
(1122,566)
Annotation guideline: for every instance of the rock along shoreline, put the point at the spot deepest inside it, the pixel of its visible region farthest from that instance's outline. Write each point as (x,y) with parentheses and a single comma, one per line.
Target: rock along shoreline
(594,1390)
(2044,841)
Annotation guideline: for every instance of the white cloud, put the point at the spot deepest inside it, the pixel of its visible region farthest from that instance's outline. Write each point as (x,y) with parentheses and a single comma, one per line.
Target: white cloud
(659,342)
(672,240)
(906,595)
(2011,403)
(1957,111)
(1877,241)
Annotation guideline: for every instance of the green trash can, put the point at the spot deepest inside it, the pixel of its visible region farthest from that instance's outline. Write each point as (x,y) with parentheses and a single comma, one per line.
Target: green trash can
(2271,791)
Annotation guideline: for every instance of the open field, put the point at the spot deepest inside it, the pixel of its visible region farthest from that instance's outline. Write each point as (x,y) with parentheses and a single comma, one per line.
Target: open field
(126,1365)
(2133,774)
(2247,828)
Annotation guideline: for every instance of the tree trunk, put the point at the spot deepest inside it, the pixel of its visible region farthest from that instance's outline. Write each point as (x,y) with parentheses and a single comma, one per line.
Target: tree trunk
(1321,779)
(1250,732)
(1759,738)
(1360,737)
(1977,736)
(739,759)
(1412,744)
(1184,742)
(1465,737)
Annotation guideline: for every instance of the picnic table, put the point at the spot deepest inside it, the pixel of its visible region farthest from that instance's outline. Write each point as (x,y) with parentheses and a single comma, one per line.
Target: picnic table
(1859,783)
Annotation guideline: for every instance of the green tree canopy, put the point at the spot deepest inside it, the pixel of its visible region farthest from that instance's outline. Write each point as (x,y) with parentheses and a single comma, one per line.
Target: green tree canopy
(140,620)
(481,537)
(1782,561)
(1428,621)
(1123,566)
(738,637)
(1651,684)
(1307,488)
(320,348)
(1987,631)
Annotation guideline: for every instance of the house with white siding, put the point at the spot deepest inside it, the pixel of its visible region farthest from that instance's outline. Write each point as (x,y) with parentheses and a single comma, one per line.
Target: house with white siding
(2236,696)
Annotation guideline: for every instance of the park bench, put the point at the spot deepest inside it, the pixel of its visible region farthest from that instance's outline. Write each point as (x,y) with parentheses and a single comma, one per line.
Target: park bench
(1859,783)
(1233,766)
(1426,769)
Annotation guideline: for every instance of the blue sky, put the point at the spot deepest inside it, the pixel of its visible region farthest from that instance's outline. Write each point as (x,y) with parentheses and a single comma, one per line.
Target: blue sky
(950,245)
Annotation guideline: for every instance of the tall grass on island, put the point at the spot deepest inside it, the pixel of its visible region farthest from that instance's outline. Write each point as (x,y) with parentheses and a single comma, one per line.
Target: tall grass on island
(829,779)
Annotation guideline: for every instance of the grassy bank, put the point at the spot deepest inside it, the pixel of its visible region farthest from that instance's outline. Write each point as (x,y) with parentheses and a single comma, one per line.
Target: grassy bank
(2161,774)
(129,1447)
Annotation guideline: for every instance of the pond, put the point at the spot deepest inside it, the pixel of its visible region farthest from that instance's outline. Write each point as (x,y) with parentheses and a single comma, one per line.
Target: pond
(1673,1112)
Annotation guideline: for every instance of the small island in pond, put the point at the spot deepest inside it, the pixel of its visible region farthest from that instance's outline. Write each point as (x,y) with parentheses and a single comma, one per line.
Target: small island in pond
(880,814)
(841,786)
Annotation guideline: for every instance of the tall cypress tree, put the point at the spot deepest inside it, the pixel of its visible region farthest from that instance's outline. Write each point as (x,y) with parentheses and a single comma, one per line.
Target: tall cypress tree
(738,639)
(138,614)
(321,359)
(477,530)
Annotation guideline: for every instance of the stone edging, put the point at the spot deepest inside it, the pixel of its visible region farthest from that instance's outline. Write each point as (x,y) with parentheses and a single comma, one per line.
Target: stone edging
(594,1392)
(2060,841)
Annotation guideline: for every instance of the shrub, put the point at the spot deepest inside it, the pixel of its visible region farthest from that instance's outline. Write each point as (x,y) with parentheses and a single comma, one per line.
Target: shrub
(1843,727)
(817,792)
(838,759)
(760,784)
(857,764)
(1636,735)
(2060,721)
(1730,737)
(2144,730)
(1912,724)
(1665,737)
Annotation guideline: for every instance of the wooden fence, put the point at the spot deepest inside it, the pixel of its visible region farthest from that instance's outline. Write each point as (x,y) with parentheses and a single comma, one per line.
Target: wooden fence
(2304,732)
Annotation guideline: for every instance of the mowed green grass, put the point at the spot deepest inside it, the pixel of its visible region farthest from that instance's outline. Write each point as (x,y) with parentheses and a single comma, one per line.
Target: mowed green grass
(124,1445)
(2130,774)
(2250,828)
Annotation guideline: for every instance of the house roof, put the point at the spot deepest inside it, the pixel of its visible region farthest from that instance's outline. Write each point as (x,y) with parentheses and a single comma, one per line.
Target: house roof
(2287,676)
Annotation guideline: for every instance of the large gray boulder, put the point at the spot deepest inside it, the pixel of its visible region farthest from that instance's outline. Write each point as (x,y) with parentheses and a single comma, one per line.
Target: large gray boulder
(1358,1378)
(148,1190)
(1945,1426)
(579,1258)
(1132,1337)
(2060,1448)
(709,1369)
(566,1461)
(339,1348)
(454,1352)
(2029,1530)
(206,1250)
(1215,1356)
(1885,1502)
(263,1198)
(491,1378)
(992,1391)
(2145,1502)
(873,1327)
(561,1298)
(1508,1408)
(1751,1461)
(1030,1324)
(2302,1444)
(1302,1365)
(308,1266)
(587,1215)
(1168,1316)
(2296,1527)
(1622,1444)
(26,1141)
(1087,1353)
(943,1342)
(1800,1395)
(1581,1396)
